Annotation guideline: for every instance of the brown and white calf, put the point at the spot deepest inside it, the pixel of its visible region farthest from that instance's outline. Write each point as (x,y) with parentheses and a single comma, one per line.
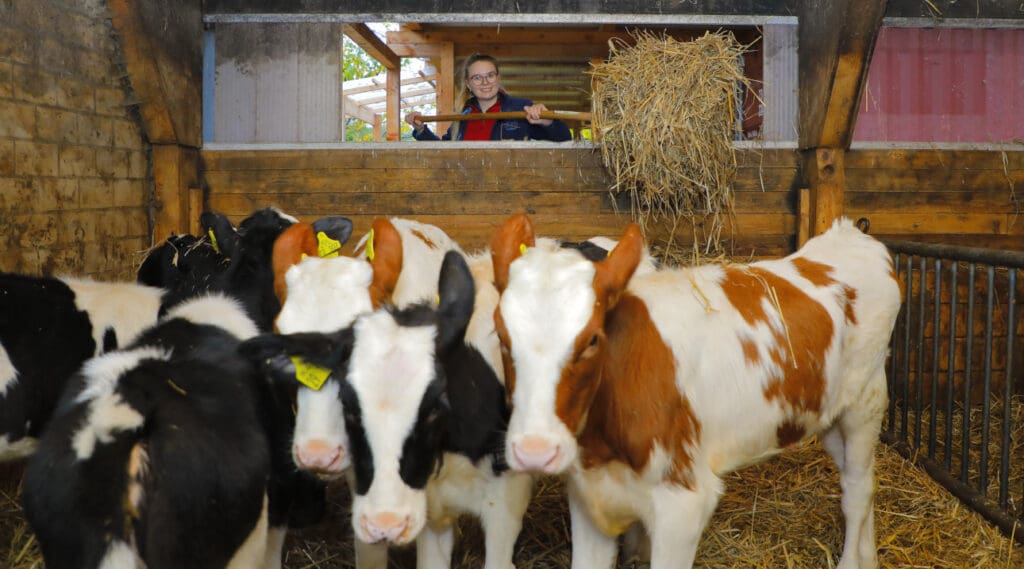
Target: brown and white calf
(646,389)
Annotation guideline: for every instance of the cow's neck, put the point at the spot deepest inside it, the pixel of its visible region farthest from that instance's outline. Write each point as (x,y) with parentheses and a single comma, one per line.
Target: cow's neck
(638,405)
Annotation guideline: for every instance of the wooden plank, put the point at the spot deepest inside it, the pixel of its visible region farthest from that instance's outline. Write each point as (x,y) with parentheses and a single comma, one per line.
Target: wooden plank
(934,180)
(935,159)
(931,202)
(908,225)
(364,37)
(770,162)
(836,41)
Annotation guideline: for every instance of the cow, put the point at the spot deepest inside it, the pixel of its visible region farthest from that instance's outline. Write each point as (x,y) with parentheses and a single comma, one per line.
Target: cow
(161,454)
(424,415)
(644,390)
(50,326)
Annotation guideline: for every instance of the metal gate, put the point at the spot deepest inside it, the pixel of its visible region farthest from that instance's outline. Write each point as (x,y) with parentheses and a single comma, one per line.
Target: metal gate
(956,400)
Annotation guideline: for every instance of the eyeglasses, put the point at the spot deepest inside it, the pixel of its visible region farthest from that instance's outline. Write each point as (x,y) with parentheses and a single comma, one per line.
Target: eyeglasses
(485,78)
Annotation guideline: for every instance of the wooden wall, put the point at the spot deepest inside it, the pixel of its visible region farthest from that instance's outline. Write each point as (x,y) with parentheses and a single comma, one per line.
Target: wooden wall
(956,197)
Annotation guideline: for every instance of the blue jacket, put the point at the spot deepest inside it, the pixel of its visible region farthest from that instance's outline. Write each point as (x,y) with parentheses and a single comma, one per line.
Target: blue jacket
(504,129)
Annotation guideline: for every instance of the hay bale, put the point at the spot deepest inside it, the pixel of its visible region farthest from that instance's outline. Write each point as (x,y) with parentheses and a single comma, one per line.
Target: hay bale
(666,114)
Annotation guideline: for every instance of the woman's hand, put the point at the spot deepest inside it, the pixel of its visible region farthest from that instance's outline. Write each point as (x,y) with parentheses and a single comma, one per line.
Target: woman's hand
(413,118)
(533,114)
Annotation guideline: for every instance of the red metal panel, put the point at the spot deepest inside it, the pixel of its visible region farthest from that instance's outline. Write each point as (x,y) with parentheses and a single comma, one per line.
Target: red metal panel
(944,85)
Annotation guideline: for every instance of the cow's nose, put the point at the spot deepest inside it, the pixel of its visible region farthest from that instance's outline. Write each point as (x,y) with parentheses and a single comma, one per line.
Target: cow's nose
(317,456)
(384,525)
(534,453)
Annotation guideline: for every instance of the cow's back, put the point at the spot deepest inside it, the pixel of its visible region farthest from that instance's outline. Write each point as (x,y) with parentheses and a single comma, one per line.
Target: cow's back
(788,343)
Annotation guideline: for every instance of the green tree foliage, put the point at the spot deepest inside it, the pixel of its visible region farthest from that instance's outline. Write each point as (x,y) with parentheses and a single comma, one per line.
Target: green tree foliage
(357,64)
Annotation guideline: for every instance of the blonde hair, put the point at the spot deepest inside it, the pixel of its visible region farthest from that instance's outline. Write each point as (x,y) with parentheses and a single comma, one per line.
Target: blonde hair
(463,96)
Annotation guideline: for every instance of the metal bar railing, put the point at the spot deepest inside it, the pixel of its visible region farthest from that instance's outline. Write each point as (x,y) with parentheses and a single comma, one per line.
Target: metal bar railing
(987,427)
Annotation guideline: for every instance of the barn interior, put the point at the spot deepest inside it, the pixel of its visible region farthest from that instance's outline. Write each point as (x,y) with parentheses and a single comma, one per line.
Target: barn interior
(122,120)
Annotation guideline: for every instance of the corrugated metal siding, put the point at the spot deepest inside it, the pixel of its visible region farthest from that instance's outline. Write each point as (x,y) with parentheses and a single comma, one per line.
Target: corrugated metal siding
(781,71)
(944,85)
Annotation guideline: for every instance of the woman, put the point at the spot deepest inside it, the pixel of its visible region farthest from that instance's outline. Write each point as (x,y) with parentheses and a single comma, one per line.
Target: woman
(480,78)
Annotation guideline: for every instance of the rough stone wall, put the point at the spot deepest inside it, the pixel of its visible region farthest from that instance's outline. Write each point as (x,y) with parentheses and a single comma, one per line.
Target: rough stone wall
(75,179)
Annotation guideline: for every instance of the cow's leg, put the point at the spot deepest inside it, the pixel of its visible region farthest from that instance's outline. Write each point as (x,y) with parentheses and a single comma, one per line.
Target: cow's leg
(501,515)
(679,516)
(275,545)
(371,555)
(253,552)
(591,548)
(858,429)
(434,548)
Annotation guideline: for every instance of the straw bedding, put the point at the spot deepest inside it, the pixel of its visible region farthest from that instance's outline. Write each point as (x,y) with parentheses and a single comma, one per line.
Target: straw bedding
(782,513)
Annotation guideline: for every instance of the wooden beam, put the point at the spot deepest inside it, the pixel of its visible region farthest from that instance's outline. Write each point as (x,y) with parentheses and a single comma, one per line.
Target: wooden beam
(837,38)
(175,172)
(357,110)
(366,39)
(162,47)
(394,93)
(825,170)
(447,86)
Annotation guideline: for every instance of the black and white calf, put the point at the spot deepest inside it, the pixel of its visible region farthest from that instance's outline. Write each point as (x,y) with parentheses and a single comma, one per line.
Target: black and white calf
(425,416)
(49,327)
(161,454)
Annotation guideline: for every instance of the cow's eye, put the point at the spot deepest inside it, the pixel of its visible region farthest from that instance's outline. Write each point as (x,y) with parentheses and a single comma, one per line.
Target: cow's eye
(591,349)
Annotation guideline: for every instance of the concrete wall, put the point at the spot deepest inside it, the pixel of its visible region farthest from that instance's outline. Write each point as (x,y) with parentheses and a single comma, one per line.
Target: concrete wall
(74,167)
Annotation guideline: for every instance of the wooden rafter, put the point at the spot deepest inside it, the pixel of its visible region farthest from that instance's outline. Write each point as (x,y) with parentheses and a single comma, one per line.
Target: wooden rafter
(366,39)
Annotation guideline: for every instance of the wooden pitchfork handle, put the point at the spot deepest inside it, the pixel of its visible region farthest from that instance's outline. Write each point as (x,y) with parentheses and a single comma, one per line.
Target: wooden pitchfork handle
(558,115)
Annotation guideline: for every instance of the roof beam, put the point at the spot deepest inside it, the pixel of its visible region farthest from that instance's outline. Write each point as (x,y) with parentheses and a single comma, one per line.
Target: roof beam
(366,39)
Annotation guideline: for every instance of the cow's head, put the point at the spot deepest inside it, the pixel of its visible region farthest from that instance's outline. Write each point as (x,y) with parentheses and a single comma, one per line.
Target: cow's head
(387,377)
(550,321)
(325,294)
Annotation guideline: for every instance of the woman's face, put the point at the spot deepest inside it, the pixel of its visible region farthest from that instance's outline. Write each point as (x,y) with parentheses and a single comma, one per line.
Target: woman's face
(482,80)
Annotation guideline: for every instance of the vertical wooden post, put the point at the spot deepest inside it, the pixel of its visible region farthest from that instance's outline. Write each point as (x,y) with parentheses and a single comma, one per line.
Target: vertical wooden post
(195,207)
(447,83)
(392,106)
(175,170)
(803,220)
(377,127)
(825,171)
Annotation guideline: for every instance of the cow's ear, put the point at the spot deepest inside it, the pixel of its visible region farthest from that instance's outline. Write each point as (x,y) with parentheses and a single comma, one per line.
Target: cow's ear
(457,294)
(383,249)
(508,244)
(221,233)
(325,350)
(331,233)
(289,248)
(614,272)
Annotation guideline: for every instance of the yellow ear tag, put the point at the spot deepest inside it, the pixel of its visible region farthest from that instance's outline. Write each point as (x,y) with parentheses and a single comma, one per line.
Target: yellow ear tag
(325,246)
(213,240)
(310,375)
(522,248)
(303,256)
(369,246)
